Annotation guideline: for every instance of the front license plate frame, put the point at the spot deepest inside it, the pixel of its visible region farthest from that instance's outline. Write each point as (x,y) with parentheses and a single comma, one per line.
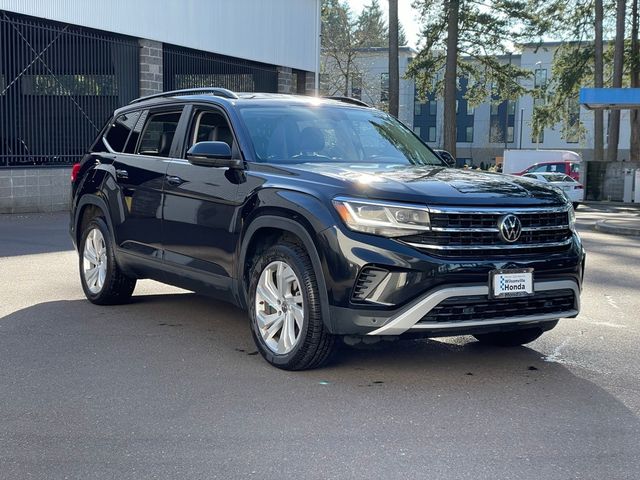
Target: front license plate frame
(500,279)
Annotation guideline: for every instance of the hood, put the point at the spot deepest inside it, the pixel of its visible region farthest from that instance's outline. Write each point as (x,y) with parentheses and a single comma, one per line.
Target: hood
(434,184)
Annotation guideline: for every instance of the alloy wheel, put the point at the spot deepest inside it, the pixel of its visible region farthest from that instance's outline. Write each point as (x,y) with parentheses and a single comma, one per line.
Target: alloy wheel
(279,307)
(94,263)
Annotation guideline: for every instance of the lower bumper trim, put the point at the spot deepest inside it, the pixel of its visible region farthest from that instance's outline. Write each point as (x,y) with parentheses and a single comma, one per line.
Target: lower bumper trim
(408,318)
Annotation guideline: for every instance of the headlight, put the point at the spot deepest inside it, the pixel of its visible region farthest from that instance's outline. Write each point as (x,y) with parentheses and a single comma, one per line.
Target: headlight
(572,218)
(382,218)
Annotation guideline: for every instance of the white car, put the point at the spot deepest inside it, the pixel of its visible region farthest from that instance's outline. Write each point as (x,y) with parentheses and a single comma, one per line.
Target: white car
(572,189)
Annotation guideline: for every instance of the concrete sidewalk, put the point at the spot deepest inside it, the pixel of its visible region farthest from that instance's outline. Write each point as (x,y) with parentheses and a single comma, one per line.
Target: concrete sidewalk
(626,226)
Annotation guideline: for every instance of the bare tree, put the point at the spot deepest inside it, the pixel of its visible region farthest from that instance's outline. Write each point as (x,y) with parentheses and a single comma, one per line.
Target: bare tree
(394,72)
(618,64)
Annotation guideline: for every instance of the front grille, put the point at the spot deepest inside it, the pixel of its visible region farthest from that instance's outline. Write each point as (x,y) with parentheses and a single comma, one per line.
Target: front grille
(464,232)
(480,307)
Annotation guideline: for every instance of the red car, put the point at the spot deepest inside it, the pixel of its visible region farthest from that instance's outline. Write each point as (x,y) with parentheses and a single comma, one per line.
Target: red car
(568,168)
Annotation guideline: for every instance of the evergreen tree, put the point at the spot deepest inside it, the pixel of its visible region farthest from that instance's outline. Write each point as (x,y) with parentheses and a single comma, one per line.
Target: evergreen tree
(466,38)
(372,29)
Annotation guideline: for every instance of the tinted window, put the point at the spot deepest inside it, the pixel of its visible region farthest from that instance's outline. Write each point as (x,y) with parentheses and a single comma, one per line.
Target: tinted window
(120,129)
(575,167)
(212,126)
(158,134)
(298,134)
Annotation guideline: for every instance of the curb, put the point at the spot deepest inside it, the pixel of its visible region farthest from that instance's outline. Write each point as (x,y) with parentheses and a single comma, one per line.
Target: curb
(618,227)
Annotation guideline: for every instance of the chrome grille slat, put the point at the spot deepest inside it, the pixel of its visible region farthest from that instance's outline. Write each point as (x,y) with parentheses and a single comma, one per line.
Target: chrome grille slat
(461,231)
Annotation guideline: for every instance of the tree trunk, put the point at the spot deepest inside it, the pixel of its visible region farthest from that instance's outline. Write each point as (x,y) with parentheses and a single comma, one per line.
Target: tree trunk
(634,117)
(598,115)
(394,73)
(450,78)
(618,63)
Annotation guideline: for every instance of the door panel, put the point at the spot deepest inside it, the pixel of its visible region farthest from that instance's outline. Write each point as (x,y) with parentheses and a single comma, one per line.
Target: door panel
(199,211)
(140,177)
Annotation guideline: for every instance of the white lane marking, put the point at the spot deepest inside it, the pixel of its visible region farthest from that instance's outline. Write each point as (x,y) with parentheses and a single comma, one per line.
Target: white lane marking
(608,324)
(611,301)
(555,356)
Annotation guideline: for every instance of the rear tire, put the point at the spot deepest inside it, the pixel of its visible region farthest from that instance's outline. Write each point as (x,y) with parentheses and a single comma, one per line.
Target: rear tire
(285,312)
(102,280)
(576,205)
(514,338)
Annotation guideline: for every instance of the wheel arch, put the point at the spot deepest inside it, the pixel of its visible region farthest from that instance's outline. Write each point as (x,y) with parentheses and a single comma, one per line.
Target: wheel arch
(266,226)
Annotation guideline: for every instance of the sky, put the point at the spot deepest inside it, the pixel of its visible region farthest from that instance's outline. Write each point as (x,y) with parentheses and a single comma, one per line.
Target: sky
(406,14)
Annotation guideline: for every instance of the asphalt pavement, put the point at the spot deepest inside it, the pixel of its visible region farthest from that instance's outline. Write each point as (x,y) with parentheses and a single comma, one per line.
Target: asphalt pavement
(171,386)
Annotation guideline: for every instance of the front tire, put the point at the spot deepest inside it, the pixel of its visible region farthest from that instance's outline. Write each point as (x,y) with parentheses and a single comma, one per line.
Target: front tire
(102,280)
(285,312)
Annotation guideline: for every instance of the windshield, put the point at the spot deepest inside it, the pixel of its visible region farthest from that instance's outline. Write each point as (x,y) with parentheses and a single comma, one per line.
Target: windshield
(298,134)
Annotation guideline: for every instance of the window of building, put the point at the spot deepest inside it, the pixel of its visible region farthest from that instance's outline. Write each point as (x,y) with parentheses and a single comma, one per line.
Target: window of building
(509,134)
(494,108)
(457,106)
(572,129)
(384,87)
(417,108)
(416,130)
(540,78)
(470,110)
(468,134)
(433,107)
(356,86)
(158,134)
(511,107)
(496,134)
(432,134)
(540,138)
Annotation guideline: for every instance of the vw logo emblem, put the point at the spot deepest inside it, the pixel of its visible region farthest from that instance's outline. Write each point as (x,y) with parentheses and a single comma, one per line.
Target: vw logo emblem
(510,228)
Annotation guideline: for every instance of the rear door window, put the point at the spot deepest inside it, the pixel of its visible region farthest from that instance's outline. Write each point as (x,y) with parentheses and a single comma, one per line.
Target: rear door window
(120,131)
(158,133)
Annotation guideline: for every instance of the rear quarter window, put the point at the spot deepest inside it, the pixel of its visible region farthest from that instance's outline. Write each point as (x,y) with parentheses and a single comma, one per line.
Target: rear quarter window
(120,130)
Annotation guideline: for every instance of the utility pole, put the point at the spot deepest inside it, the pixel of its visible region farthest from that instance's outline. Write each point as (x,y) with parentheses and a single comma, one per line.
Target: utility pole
(394,72)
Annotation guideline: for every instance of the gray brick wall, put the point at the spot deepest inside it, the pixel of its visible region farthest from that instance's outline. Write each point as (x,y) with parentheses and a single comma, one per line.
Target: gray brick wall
(284,80)
(24,190)
(150,67)
(310,83)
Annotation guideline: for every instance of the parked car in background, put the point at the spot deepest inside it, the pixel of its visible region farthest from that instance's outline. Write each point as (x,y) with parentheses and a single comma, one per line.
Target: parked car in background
(573,189)
(567,168)
(447,157)
(517,161)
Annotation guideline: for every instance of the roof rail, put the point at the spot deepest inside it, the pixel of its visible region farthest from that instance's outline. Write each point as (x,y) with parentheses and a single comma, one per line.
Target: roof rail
(352,101)
(219,92)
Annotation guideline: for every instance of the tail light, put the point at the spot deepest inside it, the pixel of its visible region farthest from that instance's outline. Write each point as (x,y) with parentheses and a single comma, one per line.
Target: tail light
(74,172)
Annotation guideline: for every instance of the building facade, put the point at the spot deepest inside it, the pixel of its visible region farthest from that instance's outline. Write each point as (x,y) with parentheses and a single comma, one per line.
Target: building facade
(481,130)
(65,65)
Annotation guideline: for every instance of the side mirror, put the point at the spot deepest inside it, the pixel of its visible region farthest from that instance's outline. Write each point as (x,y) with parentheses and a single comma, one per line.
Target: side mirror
(212,154)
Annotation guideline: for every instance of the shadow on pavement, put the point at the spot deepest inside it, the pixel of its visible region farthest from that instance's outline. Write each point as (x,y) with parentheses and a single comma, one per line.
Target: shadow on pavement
(34,233)
(173,383)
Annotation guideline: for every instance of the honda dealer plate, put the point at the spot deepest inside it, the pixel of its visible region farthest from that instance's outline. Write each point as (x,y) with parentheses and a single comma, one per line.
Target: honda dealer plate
(511,283)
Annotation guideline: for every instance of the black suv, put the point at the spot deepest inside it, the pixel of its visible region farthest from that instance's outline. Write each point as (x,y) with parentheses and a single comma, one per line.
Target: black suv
(323,218)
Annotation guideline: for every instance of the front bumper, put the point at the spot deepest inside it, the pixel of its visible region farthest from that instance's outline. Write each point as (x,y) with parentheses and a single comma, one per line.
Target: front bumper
(423,285)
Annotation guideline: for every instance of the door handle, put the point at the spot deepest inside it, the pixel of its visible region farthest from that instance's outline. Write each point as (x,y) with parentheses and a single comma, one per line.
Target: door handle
(122,174)
(172,180)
